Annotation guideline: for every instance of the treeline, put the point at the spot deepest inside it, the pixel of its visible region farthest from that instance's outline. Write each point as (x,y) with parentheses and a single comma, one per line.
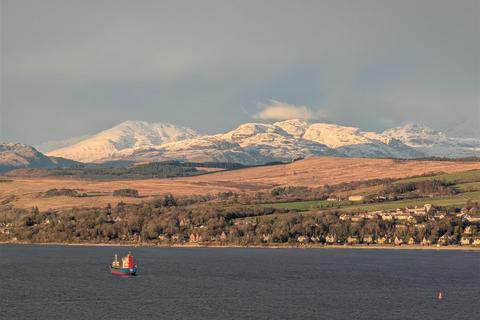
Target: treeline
(142,171)
(64,192)
(421,188)
(129,170)
(169,220)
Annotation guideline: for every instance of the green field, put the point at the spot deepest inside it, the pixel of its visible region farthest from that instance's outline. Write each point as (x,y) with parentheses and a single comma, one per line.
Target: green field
(306,205)
(456,178)
(468,187)
(445,201)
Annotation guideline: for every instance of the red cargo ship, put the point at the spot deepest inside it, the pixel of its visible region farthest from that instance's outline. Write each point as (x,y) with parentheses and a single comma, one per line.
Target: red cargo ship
(127,267)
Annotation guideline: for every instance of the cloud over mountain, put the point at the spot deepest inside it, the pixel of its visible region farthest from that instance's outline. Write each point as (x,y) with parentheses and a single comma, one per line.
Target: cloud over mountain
(278,110)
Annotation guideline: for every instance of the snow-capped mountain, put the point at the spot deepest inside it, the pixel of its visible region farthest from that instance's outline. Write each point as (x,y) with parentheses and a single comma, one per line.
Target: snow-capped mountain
(353,142)
(203,149)
(273,143)
(251,143)
(124,139)
(17,155)
(435,143)
(257,143)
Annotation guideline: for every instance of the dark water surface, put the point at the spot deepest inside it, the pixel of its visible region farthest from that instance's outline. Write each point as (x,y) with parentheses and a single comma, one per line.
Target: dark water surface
(54,282)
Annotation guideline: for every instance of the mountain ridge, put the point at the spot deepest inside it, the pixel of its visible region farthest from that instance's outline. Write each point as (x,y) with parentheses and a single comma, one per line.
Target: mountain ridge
(257,143)
(123,139)
(18,155)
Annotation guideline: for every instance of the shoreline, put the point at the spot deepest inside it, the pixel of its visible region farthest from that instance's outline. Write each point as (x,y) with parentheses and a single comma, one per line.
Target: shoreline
(213,246)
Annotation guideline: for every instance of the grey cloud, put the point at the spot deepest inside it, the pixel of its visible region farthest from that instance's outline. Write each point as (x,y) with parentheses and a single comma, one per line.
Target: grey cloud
(76,67)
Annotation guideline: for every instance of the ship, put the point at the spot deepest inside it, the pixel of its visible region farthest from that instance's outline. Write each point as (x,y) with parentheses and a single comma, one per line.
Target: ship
(127,267)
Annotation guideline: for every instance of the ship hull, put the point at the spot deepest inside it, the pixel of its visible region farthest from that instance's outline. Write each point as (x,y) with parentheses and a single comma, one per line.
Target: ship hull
(123,271)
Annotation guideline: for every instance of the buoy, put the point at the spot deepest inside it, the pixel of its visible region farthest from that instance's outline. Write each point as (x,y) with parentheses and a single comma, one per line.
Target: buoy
(440,296)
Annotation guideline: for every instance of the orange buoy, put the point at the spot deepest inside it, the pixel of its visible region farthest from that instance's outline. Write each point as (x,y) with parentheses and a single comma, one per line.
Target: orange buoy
(440,296)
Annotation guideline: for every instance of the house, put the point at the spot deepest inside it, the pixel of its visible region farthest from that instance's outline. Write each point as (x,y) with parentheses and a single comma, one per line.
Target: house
(223,236)
(473,218)
(429,208)
(184,222)
(425,242)
(5,228)
(465,241)
(400,214)
(462,213)
(398,241)
(467,230)
(352,240)
(440,215)
(302,239)
(387,217)
(411,219)
(368,239)
(330,239)
(370,215)
(443,240)
(411,241)
(195,237)
(383,240)
(356,198)
(476,241)
(163,237)
(344,217)
(420,226)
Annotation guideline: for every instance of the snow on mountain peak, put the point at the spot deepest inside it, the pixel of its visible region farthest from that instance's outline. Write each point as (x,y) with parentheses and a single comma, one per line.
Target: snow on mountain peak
(295,127)
(256,143)
(124,139)
(333,135)
(434,143)
(252,130)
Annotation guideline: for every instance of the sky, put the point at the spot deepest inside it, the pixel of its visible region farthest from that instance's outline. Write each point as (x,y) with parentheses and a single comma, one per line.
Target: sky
(71,68)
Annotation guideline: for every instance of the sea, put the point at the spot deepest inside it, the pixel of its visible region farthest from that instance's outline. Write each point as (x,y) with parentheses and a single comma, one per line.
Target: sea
(74,282)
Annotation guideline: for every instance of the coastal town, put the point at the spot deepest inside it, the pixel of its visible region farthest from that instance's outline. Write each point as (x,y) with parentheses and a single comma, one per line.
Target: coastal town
(169,223)
(410,218)
(407,227)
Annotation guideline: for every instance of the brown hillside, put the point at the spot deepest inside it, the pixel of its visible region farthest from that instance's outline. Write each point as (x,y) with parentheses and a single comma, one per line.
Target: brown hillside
(311,172)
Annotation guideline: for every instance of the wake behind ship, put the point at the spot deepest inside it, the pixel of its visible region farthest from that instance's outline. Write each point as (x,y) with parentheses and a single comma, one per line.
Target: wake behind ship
(127,267)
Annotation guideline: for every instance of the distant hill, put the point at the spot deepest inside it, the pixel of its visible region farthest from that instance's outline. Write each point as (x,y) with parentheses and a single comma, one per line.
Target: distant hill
(17,155)
(313,172)
(258,143)
(435,143)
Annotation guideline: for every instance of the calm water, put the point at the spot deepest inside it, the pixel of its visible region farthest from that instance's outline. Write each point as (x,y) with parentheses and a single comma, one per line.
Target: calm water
(47,282)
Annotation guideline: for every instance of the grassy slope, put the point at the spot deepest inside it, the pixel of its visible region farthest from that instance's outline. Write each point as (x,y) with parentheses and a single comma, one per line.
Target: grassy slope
(468,187)
(456,177)
(467,182)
